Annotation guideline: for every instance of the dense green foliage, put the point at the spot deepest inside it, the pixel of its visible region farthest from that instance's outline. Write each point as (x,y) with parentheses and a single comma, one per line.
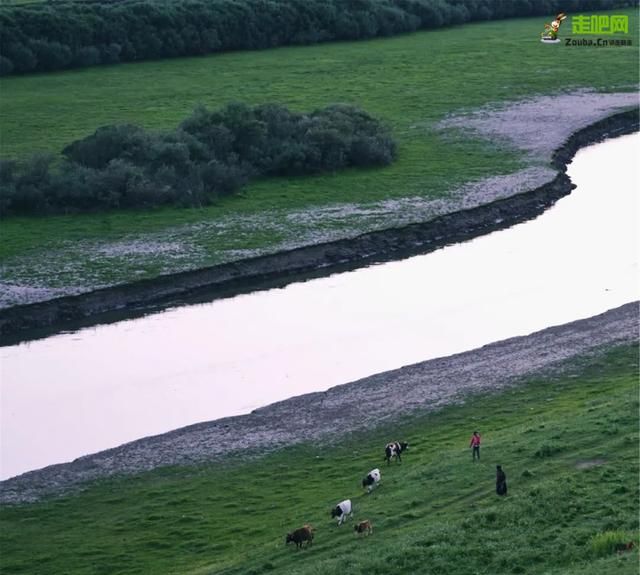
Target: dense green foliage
(210,155)
(76,34)
(436,513)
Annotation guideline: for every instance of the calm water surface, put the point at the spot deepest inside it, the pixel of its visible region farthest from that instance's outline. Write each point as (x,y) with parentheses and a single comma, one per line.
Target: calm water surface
(77,393)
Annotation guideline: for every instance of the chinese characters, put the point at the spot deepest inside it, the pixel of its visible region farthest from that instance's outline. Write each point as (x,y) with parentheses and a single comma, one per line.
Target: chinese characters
(600,24)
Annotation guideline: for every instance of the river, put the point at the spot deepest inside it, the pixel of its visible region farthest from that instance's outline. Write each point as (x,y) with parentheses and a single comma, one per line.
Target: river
(78,393)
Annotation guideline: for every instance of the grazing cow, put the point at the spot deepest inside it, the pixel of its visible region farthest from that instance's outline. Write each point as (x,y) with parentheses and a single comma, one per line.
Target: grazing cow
(299,536)
(364,527)
(310,528)
(394,450)
(371,480)
(342,510)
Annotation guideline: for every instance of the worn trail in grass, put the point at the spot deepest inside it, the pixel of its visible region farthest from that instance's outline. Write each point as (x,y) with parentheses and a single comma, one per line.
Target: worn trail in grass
(568,443)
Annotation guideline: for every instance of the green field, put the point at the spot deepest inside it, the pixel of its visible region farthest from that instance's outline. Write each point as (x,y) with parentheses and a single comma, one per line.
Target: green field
(410,82)
(407,80)
(569,446)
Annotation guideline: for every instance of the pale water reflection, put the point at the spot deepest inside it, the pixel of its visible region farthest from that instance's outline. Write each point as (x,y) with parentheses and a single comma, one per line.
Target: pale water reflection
(74,394)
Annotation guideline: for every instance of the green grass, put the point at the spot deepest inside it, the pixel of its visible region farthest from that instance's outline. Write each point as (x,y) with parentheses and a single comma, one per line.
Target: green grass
(607,542)
(435,513)
(409,81)
(406,80)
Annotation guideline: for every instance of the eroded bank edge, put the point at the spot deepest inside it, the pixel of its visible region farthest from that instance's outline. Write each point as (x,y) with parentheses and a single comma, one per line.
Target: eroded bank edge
(323,416)
(33,321)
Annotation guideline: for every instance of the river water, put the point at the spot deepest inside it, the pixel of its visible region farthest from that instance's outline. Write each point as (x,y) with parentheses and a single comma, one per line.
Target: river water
(78,393)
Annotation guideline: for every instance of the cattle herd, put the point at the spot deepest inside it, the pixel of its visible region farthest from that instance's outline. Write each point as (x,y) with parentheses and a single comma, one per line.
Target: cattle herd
(344,509)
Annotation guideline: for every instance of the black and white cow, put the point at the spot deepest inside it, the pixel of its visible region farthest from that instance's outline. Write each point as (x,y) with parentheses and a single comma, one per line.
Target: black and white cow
(342,510)
(371,480)
(394,450)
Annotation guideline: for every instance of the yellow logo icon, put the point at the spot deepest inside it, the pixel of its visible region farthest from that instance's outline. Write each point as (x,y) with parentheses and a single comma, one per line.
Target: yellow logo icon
(550,34)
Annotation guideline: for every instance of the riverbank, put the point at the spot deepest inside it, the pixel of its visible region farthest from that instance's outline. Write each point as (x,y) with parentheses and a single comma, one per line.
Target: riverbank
(361,405)
(565,433)
(28,321)
(447,159)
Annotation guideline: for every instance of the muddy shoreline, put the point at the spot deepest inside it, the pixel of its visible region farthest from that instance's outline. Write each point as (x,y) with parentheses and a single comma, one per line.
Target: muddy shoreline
(360,405)
(31,321)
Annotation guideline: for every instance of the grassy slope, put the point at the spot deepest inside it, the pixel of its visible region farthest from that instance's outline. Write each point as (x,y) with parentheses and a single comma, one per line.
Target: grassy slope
(436,513)
(409,81)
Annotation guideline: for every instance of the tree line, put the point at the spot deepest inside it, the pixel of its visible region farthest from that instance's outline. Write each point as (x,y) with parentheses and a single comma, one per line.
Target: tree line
(211,154)
(65,34)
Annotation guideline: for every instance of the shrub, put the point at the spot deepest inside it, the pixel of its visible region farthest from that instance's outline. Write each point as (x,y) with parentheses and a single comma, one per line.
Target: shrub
(51,55)
(108,143)
(8,170)
(6,66)
(210,155)
(33,184)
(608,542)
(110,53)
(21,57)
(86,56)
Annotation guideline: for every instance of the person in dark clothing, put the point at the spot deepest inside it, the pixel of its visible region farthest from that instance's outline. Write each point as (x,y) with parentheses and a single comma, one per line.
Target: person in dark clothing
(501,481)
(475,445)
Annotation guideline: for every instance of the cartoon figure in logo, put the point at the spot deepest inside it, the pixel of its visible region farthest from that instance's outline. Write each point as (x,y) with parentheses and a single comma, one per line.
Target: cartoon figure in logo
(550,33)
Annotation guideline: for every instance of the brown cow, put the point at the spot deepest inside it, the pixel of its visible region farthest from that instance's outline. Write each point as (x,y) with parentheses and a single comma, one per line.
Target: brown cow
(364,527)
(299,536)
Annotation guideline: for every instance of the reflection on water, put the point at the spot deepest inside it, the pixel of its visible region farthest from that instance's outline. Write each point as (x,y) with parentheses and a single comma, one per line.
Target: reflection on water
(73,394)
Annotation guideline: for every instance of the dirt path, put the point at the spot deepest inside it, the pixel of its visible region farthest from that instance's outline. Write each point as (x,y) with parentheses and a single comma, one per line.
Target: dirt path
(358,405)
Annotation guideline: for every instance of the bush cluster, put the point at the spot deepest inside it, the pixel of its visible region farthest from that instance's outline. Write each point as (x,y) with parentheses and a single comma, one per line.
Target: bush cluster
(608,542)
(210,155)
(66,34)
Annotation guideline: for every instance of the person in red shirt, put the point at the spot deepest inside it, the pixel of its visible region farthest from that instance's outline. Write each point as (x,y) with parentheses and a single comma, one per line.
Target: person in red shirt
(475,445)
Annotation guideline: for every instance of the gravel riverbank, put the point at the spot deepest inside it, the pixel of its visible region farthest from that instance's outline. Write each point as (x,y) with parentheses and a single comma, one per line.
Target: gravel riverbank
(358,405)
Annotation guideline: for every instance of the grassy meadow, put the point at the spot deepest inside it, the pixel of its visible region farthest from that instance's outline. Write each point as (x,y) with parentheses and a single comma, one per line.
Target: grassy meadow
(410,82)
(568,443)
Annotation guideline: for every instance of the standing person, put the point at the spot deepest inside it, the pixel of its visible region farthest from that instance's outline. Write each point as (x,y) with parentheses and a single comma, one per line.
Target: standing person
(501,481)
(475,445)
